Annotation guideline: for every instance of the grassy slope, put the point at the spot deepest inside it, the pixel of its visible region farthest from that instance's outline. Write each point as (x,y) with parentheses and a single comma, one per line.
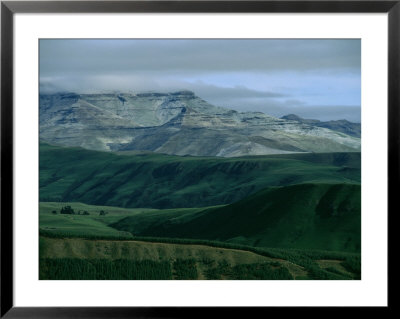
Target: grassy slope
(162,181)
(324,213)
(141,250)
(96,225)
(97,259)
(306,216)
(103,258)
(309,216)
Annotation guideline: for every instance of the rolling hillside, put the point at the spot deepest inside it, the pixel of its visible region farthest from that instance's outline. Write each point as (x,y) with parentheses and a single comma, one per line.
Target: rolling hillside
(310,216)
(88,247)
(76,258)
(87,259)
(152,180)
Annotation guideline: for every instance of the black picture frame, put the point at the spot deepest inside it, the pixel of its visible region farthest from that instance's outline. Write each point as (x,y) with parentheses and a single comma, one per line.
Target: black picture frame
(9,8)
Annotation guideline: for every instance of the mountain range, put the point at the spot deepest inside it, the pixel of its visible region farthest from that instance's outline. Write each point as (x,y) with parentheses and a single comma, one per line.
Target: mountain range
(181,123)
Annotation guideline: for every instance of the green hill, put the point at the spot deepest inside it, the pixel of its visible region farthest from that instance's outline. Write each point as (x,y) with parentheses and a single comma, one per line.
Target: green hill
(95,225)
(77,258)
(309,216)
(161,181)
(86,246)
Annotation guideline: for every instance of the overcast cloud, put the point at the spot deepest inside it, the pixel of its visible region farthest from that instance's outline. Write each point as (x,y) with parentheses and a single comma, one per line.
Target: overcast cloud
(312,78)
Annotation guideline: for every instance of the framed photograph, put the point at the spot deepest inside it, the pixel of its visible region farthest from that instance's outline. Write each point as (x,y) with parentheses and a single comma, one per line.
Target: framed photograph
(169,158)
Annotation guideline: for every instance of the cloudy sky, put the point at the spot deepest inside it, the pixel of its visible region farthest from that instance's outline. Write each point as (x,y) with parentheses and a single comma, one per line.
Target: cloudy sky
(312,78)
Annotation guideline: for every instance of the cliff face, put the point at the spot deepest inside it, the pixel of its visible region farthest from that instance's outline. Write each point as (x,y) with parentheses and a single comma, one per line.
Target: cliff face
(178,123)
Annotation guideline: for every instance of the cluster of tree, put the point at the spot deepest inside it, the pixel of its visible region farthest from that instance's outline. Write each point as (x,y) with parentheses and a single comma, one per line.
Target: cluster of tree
(67,210)
(70,211)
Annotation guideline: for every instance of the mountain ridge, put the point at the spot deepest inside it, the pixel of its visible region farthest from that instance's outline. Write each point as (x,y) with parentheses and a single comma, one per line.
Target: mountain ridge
(344,126)
(179,123)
